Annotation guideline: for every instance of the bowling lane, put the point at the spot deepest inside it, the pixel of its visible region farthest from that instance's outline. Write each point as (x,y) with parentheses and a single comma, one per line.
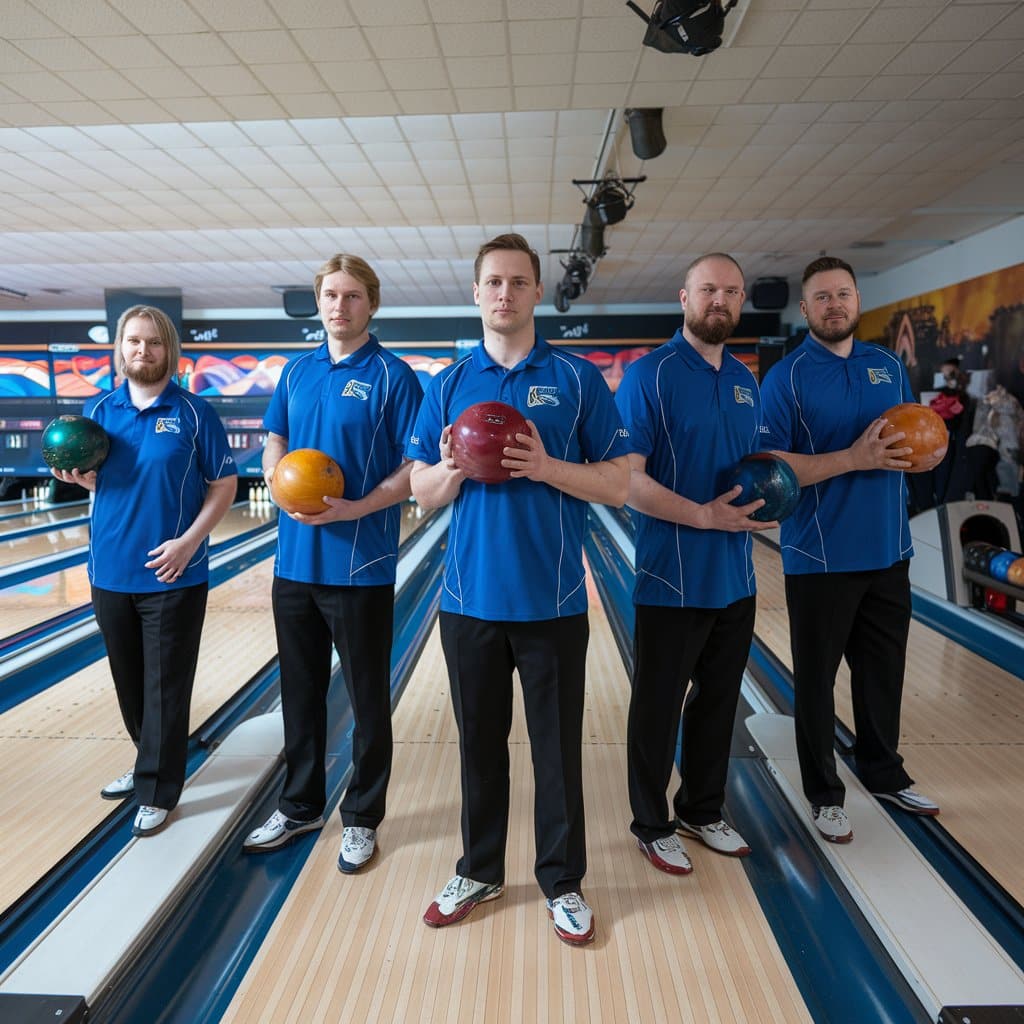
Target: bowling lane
(41,515)
(58,749)
(667,948)
(38,545)
(33,601)
(960,732)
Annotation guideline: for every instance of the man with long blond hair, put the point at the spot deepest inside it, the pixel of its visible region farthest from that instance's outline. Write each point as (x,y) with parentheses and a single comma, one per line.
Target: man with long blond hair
(167,481)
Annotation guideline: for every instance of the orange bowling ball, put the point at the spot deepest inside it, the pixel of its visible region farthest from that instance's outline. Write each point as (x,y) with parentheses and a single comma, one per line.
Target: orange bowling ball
(303,477)
(925,432)
(1015,574)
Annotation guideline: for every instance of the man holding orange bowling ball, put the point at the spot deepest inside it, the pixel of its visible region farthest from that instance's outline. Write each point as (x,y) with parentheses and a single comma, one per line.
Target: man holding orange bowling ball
(846,548)
(693,411)
(334,575)
(514,593)
(167,480)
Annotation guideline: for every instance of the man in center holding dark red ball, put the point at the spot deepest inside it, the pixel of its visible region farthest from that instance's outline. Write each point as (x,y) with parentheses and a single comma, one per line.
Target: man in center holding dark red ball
(514,593)
(693,411)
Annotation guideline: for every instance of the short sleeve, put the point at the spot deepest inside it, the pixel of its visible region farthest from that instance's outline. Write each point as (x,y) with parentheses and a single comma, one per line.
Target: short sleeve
(777,410)
(634,407)
(602,433)
(424,442)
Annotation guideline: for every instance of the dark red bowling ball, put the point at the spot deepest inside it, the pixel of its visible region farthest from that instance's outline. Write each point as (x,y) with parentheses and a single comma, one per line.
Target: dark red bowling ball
(74,442)
(479,436)
(763,475)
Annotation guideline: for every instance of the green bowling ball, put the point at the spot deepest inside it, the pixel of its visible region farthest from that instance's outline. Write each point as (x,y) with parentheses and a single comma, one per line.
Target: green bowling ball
(74,442)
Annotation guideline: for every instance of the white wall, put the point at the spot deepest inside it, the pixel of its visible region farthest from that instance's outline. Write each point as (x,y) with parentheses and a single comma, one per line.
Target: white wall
(999,247)
(994,249)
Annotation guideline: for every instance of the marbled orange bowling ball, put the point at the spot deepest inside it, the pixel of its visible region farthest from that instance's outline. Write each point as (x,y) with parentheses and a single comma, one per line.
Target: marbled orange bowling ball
(1015,574)
(303,477)
(925,433)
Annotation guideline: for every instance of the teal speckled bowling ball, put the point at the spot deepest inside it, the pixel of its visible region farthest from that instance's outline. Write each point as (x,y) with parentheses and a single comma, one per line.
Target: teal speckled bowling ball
(763,475)
(74,442)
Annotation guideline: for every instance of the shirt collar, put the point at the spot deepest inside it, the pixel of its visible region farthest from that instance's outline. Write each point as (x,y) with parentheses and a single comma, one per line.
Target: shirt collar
(123,398)
(822,354)
(360,357)
(539,355)
(693,359)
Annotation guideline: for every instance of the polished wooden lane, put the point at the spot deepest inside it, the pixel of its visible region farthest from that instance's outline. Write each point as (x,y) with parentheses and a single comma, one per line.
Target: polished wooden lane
(354,948)
(32,514)
(961,730)
(33,601)
(59,748)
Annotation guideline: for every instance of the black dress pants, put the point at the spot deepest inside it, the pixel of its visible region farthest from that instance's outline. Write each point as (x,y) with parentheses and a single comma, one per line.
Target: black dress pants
(671,647)
(358,621)
(864,617)
(152,642)
(551,658)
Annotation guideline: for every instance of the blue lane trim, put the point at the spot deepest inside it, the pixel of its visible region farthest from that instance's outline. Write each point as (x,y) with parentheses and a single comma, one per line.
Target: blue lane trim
(999,644)
(1000,647)
(28,916)
(32,679)
(844,974)
(37,510)
(14,576)
(994,908)
(31,531)
(41,630)
(216,933)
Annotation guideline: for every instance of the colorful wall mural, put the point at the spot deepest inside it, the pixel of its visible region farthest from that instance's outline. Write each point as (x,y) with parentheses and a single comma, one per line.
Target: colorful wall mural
(980,320)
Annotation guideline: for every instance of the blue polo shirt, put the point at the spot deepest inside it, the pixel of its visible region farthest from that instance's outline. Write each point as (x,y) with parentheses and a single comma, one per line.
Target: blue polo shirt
(692,423)
(152,485)
(359,411)
(817,402)
(515,549)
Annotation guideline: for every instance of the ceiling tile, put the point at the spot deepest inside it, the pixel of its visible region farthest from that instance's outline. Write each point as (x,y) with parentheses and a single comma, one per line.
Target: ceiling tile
(401,42)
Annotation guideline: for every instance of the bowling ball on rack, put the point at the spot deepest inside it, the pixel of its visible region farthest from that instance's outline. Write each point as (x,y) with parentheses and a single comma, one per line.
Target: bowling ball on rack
(1015,574)
(479,435)
(302,478)
(999,567)
(978,554)
(75,442)
(763,475)
(925,432)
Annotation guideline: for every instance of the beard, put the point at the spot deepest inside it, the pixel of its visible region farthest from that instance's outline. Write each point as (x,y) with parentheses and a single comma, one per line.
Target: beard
(711,332)
(834,330)
(146,373)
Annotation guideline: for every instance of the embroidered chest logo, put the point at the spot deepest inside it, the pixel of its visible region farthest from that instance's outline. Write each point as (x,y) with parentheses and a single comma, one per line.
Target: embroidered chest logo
(879,376)
(167,425)
(539,395)
(357,389)
(743,396)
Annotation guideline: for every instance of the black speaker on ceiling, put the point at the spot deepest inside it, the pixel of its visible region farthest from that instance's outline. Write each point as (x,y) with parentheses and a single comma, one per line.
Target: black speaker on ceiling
(299,302)
(645,131)
(769,293)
